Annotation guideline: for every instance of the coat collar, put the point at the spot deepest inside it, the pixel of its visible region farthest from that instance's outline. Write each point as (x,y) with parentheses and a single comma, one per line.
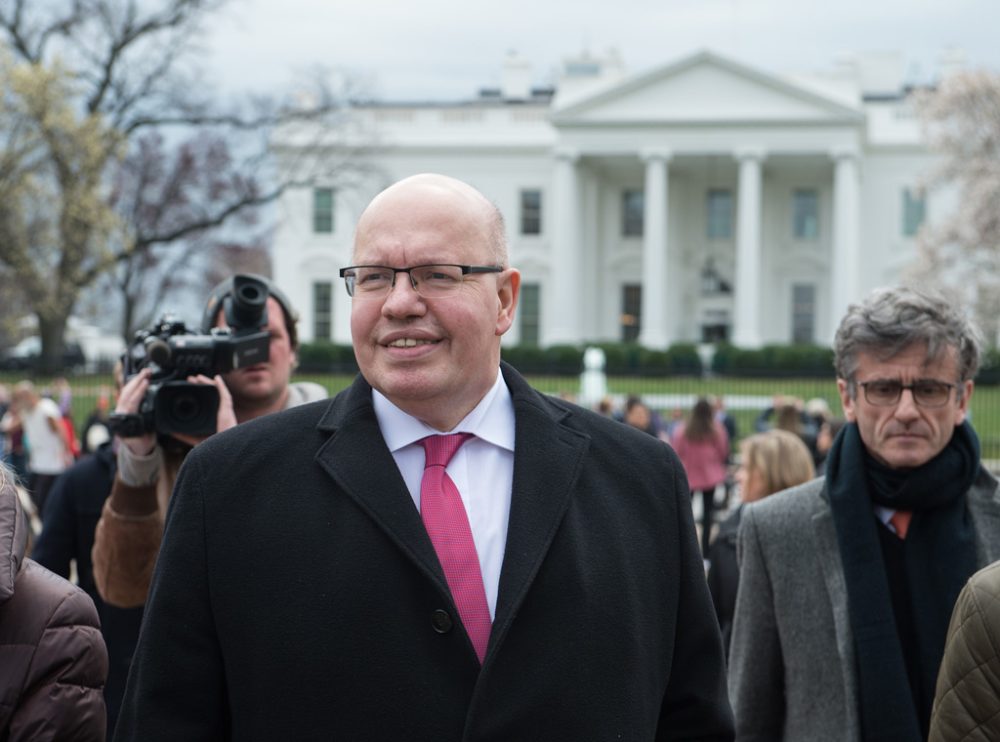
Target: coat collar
(548,456)
(984,505)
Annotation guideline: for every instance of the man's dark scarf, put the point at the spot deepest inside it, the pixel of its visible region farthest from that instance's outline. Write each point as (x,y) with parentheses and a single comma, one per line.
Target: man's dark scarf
(940,556)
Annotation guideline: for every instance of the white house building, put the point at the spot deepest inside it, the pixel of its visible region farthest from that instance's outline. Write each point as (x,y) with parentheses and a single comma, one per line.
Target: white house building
(699,201)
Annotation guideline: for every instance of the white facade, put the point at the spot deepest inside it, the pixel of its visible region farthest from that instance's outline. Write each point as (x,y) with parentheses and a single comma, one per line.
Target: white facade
(807,182)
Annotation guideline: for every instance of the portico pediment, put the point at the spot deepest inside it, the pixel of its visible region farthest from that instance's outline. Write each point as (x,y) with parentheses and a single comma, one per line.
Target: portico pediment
(704,88)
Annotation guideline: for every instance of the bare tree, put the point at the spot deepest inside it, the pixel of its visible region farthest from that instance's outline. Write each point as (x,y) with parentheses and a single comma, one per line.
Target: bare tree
(85,83)
(156,192)
(961,119)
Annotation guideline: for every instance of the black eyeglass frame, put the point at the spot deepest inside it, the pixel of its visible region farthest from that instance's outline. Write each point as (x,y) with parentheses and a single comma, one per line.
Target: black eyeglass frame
(913,390)
(466,270)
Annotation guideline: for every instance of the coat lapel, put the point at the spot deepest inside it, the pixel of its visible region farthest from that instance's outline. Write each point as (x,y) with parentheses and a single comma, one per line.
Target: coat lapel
(548,457)
(828,554)
(357,459)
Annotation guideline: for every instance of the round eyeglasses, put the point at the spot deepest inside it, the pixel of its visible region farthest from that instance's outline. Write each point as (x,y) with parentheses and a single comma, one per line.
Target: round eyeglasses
(926,393)
(429,281)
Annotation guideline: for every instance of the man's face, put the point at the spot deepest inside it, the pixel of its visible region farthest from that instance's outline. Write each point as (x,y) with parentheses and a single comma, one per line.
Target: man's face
(264,384)
(906,435)
(433,358)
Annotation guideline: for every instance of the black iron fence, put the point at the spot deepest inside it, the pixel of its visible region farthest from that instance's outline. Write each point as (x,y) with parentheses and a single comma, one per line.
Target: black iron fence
(745,396)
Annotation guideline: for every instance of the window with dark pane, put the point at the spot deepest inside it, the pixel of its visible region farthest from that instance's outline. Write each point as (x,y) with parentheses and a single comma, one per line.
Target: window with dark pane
(323,210)
(322,310)
(720,214)
(803,313)
(631,317)
(633,208)
(531,212)
(805,214)
(529,311)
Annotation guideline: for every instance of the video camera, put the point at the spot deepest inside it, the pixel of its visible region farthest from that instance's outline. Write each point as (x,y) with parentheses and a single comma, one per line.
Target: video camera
(172,404)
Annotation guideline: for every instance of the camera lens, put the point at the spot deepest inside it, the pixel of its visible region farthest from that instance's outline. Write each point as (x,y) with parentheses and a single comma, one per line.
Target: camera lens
(250,293)
(184,408)
(246,308)
(191,409)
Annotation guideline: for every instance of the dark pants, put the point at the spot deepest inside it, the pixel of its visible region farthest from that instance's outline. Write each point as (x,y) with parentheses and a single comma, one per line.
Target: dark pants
(707,516)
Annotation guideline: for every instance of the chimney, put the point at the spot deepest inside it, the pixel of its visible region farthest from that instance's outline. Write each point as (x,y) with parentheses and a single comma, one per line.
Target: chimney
(516,81)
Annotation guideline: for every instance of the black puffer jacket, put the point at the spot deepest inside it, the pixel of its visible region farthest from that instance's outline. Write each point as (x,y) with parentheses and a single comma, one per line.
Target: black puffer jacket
(53,663)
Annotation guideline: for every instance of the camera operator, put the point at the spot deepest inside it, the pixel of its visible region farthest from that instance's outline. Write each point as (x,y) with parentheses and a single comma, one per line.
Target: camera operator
(128,534)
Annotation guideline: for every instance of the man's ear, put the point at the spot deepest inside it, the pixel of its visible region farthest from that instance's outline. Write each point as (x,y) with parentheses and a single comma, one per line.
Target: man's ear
(846,401)
(508,291)
(966,388)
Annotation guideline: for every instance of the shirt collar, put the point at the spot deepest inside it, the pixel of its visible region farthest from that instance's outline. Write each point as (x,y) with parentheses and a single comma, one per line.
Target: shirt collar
(492,420)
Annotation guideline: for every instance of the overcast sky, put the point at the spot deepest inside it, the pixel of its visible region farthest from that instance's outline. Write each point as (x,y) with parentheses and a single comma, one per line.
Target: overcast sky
(448,49)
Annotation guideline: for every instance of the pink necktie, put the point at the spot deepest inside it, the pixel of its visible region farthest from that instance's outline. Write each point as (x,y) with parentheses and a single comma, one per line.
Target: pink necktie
(448,526)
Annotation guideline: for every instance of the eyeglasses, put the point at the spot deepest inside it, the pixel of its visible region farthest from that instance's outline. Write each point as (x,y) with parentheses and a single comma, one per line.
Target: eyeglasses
(430,281)
(926,392)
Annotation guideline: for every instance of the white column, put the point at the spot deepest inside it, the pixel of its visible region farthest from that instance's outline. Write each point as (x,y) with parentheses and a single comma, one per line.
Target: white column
(746,304)
(654,332)
(845,257)
(562,324)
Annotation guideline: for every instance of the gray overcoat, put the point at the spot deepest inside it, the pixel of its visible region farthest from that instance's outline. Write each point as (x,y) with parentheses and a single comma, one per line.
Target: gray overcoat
(792,669)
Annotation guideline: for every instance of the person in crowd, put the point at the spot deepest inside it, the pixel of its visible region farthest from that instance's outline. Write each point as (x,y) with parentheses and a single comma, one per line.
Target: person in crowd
(818,412)
(53,662)
(769,462)
(847,583)
(96,430)
(785,411)
(703,446)
(967,701)
(675,422)
(440,551)
(128,534)
(791,417)
(639,415)
(48,445)
(67,538)
(723,416)
(606,407)
(828,432)
(62,394)
(12,450)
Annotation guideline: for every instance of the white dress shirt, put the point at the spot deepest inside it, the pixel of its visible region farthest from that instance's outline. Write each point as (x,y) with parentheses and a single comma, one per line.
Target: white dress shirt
(482,469)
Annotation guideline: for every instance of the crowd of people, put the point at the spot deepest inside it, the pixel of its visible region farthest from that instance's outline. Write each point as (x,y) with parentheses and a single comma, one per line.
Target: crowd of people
(441,550)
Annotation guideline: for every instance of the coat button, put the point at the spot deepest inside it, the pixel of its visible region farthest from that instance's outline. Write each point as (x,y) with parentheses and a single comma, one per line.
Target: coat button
(441,621)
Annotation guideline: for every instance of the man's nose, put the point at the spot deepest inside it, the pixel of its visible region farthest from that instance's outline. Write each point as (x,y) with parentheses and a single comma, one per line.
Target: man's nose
(402,296)
(906,407)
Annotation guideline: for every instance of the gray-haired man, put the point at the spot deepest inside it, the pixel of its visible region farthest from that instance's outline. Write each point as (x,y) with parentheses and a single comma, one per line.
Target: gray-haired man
(847,583)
